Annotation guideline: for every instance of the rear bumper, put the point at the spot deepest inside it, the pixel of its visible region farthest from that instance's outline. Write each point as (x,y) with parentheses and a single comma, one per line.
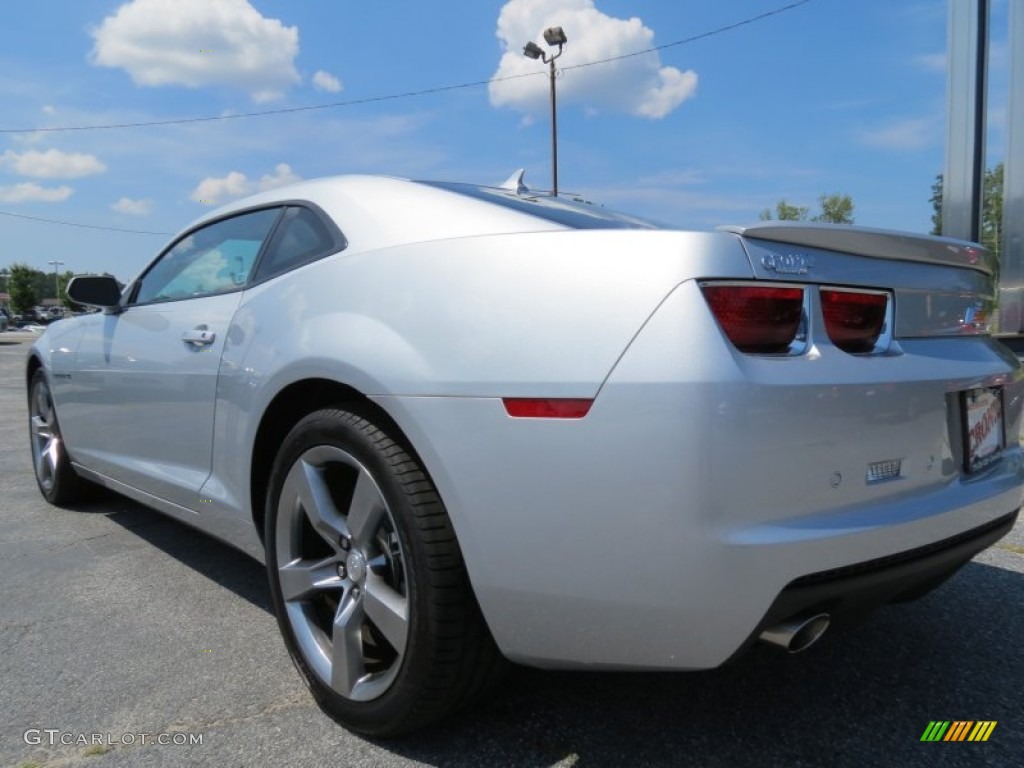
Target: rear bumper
(591,544)
(849,594)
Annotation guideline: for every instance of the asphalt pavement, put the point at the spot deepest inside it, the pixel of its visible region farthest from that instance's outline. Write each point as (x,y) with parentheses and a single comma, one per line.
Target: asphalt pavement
(127,639)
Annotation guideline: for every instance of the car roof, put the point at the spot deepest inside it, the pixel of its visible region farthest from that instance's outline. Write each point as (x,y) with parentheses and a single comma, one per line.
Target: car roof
(380,211)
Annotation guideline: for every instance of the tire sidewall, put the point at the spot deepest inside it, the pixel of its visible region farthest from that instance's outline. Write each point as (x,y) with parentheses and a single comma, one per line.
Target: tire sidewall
(63,474)
(326,428)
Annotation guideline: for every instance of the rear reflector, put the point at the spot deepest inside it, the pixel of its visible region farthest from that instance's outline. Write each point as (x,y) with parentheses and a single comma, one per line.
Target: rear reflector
(546,408)
(854,320)
(757,318)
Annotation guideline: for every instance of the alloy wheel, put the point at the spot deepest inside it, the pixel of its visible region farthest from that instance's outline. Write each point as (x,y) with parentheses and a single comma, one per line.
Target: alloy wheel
(46,439)
(341,571)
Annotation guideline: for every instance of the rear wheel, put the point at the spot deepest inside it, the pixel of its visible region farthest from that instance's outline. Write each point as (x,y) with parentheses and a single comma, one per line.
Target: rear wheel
(57,480)
(368,581)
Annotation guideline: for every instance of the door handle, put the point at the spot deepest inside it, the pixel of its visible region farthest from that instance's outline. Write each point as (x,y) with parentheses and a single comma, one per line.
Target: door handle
(199,337)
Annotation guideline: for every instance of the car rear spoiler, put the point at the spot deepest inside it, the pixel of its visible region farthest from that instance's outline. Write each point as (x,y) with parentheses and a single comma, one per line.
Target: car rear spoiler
(875,243)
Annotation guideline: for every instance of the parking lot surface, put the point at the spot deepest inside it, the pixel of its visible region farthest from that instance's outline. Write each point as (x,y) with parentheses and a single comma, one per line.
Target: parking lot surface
(120,626)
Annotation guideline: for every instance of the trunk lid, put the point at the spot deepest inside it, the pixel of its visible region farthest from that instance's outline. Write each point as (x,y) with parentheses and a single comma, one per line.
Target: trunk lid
(940,286)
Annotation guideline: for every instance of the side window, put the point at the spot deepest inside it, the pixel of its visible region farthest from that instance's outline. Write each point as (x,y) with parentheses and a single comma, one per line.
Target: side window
(215,259)
(301,238)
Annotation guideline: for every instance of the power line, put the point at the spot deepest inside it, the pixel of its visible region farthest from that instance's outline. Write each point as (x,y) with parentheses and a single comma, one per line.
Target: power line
(267,112)
(406,94)
(83,226)
(353,102)
(694,38)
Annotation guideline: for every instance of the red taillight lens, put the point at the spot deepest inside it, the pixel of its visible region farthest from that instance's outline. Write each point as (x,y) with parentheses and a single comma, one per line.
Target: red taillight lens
(546,408)
(757,318)
(854,321)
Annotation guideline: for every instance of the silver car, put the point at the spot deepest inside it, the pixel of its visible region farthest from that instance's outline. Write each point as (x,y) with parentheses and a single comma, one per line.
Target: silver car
(463,425)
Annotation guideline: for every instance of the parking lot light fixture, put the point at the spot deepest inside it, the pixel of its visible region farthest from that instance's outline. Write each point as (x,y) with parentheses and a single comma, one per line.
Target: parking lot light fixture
(555,36)
(552,36)
(533,51)
(56,278)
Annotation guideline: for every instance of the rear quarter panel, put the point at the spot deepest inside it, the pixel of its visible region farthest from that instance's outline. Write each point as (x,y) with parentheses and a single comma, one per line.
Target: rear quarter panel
(534,315)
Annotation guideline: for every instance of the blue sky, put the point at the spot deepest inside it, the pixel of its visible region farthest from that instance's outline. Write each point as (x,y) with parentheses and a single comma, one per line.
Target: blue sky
(830,96)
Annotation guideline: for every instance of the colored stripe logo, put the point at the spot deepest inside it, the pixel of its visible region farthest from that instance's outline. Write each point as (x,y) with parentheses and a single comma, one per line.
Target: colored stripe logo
(959,730)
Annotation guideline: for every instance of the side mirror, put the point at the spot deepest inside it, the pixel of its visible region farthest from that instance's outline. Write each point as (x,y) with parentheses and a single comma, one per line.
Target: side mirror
(101,291)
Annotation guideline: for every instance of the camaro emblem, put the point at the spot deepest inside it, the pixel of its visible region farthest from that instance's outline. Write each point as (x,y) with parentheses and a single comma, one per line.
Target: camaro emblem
(788,264)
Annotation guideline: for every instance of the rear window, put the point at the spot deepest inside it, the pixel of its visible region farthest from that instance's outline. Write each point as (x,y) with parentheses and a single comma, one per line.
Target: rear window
(568,212)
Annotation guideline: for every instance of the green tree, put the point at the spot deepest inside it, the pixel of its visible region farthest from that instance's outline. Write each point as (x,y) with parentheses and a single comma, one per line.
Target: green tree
(835,209)
(68,304)
(43,282)
(785,212)
(991,209)
(936,201)
(22,288)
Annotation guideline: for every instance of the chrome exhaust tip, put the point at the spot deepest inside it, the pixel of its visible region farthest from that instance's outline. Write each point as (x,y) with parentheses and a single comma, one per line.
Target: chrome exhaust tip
(797,634)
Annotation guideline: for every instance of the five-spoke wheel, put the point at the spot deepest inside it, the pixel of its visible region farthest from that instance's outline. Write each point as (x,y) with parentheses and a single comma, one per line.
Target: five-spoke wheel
(367,578)
(56,478)
(340,567)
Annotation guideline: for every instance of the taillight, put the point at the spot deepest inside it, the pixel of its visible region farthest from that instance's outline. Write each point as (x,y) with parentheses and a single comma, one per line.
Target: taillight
(854,319)
(761,319)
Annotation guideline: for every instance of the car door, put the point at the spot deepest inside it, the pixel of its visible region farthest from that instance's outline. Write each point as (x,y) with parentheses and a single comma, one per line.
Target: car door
(140,408)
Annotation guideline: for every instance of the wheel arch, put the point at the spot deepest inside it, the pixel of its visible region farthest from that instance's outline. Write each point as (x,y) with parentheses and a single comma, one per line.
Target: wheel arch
(295,401)
(31,366)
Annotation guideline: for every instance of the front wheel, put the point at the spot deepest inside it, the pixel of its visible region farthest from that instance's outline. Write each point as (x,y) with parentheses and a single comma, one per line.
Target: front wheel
(367,579)
(55,476)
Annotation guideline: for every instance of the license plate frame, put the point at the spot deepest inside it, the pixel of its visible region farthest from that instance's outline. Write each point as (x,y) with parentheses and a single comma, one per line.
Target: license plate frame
(984,432)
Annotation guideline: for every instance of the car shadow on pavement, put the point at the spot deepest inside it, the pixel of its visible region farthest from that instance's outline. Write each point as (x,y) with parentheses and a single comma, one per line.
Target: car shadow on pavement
(214,559)
(863,696)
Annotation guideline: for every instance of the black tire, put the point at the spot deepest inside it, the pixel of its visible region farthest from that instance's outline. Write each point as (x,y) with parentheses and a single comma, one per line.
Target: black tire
(56,478)
(366,489)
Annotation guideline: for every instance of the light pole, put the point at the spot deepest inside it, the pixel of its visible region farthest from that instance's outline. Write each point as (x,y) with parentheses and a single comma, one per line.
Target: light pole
(552,36)
(56,279)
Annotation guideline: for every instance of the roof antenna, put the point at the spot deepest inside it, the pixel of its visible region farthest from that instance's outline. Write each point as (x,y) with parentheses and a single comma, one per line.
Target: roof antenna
(515,182)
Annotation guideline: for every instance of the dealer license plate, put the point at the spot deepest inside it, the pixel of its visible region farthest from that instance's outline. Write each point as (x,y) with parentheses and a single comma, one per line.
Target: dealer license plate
(983,427)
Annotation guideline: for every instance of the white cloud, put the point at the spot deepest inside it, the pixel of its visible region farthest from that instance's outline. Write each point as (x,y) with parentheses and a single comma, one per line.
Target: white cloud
(198,43)
(638,85)
(931,62)
(133,207)
(29,193)
(49,109)
(30,138)
(213,191)
(325,81)
(282,175)
(904,134)
(51,164)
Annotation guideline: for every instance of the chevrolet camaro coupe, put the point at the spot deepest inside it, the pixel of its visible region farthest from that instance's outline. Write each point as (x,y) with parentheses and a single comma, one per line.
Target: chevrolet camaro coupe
(464,424)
